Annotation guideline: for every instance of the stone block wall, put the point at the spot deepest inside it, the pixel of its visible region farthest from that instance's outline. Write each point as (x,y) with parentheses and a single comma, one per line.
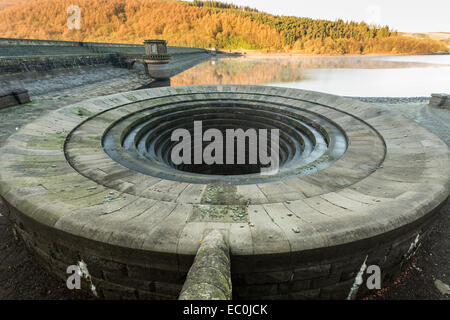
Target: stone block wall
(37,42)
(333,277)
(45,63)
(123,273)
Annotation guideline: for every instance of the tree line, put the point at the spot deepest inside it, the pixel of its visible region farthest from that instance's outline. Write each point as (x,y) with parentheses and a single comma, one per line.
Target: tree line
(219,5)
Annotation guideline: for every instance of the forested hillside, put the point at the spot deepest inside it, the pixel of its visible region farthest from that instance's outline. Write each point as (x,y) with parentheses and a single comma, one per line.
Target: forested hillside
(10,3)
(203,24)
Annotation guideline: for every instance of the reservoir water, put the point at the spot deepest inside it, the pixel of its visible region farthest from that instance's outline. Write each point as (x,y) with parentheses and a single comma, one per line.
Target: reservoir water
(363,76)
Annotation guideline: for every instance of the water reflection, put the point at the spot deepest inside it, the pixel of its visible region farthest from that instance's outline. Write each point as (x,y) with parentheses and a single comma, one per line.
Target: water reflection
(405,76)
(241,71)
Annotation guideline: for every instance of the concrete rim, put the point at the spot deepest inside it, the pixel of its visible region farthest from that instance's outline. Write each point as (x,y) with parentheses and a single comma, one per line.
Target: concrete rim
(392,174)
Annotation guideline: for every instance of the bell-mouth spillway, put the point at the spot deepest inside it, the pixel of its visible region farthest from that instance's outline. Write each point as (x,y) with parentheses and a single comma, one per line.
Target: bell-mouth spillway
(307,141)
(94,182)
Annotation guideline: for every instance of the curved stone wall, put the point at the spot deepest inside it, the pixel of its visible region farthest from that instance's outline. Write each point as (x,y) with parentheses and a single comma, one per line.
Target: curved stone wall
(303,233)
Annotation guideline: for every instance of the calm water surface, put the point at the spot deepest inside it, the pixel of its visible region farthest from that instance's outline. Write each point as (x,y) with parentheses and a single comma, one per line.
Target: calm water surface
(380,76)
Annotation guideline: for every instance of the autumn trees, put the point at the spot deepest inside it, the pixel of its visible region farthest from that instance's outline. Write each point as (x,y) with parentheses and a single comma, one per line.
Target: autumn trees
(202,24)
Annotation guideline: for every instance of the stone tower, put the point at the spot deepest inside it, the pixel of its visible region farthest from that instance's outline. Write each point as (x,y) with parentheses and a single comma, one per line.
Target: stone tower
(156,51)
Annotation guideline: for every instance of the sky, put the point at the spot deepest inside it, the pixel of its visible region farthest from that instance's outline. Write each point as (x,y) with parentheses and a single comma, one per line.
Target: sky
(401,15)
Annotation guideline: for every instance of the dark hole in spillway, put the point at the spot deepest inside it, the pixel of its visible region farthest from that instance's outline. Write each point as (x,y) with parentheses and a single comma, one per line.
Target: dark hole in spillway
(221,169)
(144,141)
(234,156)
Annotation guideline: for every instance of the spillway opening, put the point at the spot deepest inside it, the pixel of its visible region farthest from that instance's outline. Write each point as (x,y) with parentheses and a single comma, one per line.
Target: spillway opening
(231,150)
(239,140)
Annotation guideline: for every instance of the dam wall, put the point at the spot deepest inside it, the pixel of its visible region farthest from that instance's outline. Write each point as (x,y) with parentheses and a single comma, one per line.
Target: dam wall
(13,65)
(30,55)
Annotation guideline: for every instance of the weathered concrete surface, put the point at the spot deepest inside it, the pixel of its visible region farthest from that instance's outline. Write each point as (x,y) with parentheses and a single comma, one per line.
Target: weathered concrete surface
(69,86)
(209,278)
(341,219)
(436,120)
(432,260)
(52,90)
(20,276)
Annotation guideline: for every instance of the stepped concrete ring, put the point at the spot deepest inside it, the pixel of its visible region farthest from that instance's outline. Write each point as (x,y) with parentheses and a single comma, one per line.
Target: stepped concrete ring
(93,182)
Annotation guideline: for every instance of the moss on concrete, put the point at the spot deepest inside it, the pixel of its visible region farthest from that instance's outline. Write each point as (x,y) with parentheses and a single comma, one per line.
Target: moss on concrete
(81,197)
(48,142)
(32,158)
(222,195)
(221,203)
(82,112)
(219,213)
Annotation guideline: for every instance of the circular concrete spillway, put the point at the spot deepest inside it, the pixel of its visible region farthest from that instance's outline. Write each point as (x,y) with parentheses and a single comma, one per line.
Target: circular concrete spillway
(94,182)
(307,142)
